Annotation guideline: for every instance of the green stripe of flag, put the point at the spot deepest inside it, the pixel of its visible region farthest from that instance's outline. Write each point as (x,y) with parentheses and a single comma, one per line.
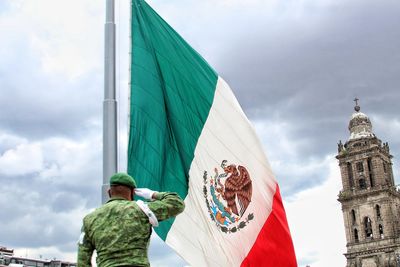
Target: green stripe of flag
(172,89)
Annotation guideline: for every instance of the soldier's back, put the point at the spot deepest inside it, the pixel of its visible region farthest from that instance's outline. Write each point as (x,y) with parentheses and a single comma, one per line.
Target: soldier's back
(120,232)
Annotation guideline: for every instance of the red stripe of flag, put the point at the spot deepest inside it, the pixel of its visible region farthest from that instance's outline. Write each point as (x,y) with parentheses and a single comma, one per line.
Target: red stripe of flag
(273,246)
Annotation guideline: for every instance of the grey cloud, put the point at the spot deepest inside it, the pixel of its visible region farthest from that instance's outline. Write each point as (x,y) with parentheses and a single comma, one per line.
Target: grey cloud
(57,197)
(39,231)
(27,221)
(162,255)
(44,208)
(8,142)
(307,72)
(38,105)
(340,59)
(66,201)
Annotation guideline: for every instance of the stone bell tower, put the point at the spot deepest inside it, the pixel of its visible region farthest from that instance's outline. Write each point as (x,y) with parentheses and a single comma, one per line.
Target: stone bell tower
(369,198)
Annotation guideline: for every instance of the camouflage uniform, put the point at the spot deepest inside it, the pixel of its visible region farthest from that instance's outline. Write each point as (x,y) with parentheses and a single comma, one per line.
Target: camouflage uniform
(120,230)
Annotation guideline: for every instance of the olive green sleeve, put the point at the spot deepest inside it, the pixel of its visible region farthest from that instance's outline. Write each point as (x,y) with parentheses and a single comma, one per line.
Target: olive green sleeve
(166,205)
(85,250)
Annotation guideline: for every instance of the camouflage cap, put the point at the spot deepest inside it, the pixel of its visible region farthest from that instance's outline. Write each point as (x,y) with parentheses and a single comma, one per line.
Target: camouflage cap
(121,178)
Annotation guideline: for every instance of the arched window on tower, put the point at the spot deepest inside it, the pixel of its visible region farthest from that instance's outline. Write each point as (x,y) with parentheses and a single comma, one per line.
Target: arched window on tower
(381,231)
(378,211)
(350,174)
(355,235)
(353,217)
(368,227)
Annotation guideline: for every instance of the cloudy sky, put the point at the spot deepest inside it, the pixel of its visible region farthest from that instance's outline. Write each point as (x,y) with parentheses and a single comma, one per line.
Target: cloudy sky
(294,65)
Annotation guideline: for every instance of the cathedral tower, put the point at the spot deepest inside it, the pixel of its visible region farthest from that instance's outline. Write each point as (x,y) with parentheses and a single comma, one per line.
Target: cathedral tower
(369,198)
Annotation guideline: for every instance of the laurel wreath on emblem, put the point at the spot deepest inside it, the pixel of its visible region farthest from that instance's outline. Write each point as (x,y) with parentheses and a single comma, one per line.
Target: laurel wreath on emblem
(227,196)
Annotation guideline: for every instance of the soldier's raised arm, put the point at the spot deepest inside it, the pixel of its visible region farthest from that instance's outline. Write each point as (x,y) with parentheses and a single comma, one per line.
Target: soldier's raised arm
(164,205)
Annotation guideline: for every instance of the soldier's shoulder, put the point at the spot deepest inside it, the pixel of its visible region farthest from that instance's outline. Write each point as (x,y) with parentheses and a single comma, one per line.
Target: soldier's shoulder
(112,207)
(96,212)
(91,214)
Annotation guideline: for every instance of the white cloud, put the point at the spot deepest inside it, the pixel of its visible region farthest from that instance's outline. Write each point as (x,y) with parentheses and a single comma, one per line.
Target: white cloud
(69,162)
(60,160)
(316,222)
(64,34)
(275,136)
(25,158)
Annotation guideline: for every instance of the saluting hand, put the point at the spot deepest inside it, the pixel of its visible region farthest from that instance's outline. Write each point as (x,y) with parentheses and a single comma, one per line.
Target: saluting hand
(145,193)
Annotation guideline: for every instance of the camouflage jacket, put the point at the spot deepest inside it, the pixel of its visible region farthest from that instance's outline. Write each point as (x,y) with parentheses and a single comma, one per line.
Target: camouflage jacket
(120,231)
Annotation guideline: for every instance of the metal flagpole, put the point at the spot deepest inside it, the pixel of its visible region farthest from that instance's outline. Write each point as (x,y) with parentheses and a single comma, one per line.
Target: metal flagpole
(110,135)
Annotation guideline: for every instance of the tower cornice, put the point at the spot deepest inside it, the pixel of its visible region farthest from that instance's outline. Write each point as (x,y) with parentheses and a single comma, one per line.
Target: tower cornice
(363,145)
(349,195)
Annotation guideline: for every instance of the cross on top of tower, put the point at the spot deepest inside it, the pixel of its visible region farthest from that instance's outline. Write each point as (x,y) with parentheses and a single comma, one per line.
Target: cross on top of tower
(357,107)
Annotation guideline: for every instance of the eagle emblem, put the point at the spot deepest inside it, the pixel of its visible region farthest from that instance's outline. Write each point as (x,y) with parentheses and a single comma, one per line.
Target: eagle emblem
(228,193)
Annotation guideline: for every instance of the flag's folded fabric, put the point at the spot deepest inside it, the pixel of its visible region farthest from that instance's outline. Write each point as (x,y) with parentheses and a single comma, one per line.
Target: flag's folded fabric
(188,134)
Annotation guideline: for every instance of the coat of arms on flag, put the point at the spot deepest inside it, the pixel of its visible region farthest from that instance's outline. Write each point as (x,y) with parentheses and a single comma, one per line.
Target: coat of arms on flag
(227,196)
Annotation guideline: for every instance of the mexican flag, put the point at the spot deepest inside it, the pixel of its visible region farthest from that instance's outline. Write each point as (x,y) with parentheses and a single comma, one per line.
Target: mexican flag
(188,134)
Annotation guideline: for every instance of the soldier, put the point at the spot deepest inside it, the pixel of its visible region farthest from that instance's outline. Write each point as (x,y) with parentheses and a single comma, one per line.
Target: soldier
(120,229)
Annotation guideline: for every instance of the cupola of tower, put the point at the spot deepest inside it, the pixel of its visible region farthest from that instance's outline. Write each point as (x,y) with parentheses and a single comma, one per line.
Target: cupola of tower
(360,125)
